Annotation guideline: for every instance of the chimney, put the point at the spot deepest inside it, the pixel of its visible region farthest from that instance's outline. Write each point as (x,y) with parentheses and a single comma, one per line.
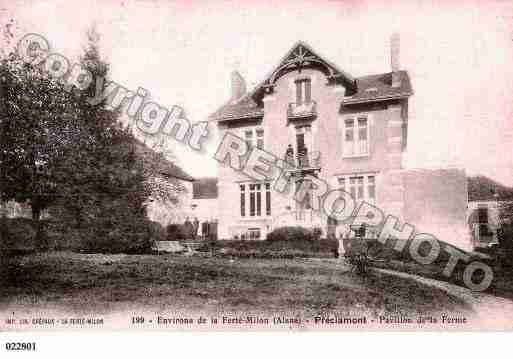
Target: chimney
(238,86)
(394,59)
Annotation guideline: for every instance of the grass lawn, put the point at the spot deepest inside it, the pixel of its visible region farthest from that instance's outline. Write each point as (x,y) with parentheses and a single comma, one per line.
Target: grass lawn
(102,284)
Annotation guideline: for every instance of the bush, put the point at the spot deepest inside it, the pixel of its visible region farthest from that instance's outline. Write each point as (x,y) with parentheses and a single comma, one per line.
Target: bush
(290,234)
(115,241)
(121,232)
(157,231)
(317,233)
(506,237)
(209,246)
(20,235)
(100,235)
(175,232)
(324,248)
(387,252)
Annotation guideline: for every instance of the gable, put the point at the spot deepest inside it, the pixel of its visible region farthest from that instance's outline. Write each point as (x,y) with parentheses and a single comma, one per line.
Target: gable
(365,89)
(301,56)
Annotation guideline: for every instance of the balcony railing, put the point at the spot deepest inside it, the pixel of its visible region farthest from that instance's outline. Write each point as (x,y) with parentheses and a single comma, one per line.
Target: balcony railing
(303,161)
(302,110)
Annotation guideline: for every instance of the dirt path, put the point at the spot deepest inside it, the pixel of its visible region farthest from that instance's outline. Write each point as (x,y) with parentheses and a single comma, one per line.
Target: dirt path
(491,312)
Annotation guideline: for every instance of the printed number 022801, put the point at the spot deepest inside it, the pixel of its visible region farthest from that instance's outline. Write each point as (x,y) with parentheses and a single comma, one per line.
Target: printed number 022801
(20,346)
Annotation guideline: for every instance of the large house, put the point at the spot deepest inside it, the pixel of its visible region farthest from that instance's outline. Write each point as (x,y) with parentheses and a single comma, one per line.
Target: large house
(349,131)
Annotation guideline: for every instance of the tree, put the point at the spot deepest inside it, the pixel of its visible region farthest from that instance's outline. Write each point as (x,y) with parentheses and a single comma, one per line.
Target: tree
(3,171)
(63,152)
(107,196)
(39,127)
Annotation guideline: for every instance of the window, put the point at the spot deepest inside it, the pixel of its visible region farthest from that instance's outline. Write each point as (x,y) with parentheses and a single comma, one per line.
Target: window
(242,200)
(256,201)
(254,233)
(362,136)
(252,203)
(254,136)
(371,187)
(356,137)
(303,91)
(361,187)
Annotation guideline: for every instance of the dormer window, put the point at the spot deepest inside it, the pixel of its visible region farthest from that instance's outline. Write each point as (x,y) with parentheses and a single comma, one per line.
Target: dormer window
(303,91)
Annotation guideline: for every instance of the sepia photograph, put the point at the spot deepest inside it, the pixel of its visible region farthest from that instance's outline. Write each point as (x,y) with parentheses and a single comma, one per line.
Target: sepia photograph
(255,166)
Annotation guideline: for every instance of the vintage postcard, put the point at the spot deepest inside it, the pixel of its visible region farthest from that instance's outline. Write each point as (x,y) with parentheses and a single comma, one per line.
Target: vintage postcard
(255,166)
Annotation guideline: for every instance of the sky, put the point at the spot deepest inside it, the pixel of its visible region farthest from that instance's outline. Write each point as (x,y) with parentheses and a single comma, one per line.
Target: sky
(459,55)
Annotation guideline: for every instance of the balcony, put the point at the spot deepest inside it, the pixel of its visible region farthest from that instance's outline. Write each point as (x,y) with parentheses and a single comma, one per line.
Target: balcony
(306,162)
(302,110)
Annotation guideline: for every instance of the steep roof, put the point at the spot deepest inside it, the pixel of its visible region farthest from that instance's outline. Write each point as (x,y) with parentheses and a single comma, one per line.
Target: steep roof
(169,169)
(363,89)
(165,167)
(379,87)
(482,188)
(205,188)
(245,107)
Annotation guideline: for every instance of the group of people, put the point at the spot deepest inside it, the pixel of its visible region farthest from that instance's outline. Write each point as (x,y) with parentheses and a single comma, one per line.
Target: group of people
(191,229)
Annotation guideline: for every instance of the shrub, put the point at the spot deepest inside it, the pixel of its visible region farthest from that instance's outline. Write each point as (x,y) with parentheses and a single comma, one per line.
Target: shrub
(115,242)
(20,235)
(210,245)
(123,232)
(157,231)
(324,248)
(506,237)
(317,233)
(290,234)
(175,232)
